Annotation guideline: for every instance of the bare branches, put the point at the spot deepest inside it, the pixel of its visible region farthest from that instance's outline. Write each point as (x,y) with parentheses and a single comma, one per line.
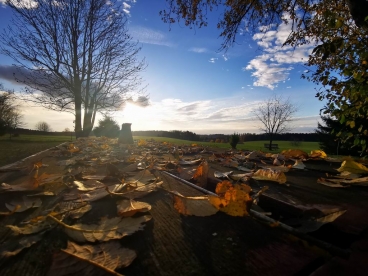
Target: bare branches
(74,55)
(275,114)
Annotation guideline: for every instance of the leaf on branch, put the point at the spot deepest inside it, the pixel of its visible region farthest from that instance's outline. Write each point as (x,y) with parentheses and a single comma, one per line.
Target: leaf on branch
(270,175)
(107,229)
(91,259)
(193,206)
(128,208)
(24,204)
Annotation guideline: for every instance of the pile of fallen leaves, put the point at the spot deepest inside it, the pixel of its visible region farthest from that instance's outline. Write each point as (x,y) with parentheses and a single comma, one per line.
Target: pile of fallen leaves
(95,168)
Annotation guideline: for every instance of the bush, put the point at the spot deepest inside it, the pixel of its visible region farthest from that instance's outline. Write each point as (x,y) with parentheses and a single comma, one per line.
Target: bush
(107,127)
(234,140)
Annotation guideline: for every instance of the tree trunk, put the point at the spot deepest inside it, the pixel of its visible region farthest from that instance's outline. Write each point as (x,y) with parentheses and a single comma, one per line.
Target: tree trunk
(78,116)
(270,145)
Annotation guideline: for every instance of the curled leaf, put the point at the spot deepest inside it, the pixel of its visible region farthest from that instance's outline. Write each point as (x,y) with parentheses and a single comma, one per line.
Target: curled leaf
(271,175)
(295,153)
(193,206)
(200,175)
(90,259)
(128,208)
(353,167)
(24,204)
(107,229)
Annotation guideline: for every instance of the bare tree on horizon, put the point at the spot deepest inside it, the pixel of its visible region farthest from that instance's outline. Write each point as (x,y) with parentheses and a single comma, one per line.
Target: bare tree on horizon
(275,114)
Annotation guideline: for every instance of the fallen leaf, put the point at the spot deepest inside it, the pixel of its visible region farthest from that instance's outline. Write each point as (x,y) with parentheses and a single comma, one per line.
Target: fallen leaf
(141,191)
(313,225)
(190,162)
(222,174)
(128,208)
(11,211)
(200,175)
(276,162)
(25,203)
(325,182)
(95,194)
(271,175)
(107,229)
(233,200)
(294,153)
(31,184)
(254,155)
(317,154)
(42,223)
(353,167)
(88,185)
(12,248)
(193,206)
(244,177)
(91,259)
(299,165)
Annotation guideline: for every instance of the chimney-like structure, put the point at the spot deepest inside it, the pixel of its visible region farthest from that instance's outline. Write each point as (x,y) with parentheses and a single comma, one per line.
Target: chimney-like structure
(126,136)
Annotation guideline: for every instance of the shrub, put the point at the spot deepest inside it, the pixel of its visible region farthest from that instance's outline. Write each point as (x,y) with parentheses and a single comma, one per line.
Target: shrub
(234,140)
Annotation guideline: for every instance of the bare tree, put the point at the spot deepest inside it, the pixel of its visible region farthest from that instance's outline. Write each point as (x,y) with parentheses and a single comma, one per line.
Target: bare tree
(10,116)
(275,114)
(74,55)
(43,126)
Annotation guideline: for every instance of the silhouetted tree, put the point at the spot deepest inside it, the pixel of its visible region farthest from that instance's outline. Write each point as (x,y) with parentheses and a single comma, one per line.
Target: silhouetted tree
(43,126)
(107,127)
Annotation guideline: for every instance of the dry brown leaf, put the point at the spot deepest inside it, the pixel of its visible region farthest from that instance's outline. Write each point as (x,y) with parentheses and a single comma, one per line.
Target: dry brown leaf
(28,185)
(233,200)
(200,175)
(32,227)
(313,225)
(139,192)
(12,248)
(107,229)
(128,208)
(88,185)
(91,260)
(295,153)
(94,195)
(193,206)
(328,183)
(11,211)
(25,203)
(271,175)
(190,162)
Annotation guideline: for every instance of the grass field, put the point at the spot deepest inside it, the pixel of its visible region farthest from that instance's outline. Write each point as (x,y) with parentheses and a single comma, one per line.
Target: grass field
(253,145)
(26,145)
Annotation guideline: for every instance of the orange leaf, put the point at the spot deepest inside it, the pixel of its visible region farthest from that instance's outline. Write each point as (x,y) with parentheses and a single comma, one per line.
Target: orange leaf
(200,176)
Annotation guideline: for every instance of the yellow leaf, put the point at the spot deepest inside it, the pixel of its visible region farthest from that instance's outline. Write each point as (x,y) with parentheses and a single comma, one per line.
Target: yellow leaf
(235,201)
(317,154)
(353,167)
(294,153)
(271,175)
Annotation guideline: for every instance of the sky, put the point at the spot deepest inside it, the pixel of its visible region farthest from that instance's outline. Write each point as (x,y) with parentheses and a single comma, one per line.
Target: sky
(191,84)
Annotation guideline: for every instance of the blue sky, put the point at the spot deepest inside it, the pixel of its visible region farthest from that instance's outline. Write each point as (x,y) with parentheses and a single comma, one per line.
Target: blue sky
(192,86)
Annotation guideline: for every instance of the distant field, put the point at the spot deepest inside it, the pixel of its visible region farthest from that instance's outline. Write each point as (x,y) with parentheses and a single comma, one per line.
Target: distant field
(253,145)
(26,145)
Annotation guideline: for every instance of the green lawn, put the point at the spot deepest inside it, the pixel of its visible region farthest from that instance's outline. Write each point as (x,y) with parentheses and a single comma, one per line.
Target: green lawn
(253,145)
(26,145)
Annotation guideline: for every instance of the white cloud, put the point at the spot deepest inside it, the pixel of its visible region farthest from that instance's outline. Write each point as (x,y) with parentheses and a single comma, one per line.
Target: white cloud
(274,65)
(198,50)
(213,60)
(25,4)
(150,36)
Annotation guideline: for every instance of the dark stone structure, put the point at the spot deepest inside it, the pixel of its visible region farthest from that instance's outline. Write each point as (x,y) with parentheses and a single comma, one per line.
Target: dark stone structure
(126,136)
